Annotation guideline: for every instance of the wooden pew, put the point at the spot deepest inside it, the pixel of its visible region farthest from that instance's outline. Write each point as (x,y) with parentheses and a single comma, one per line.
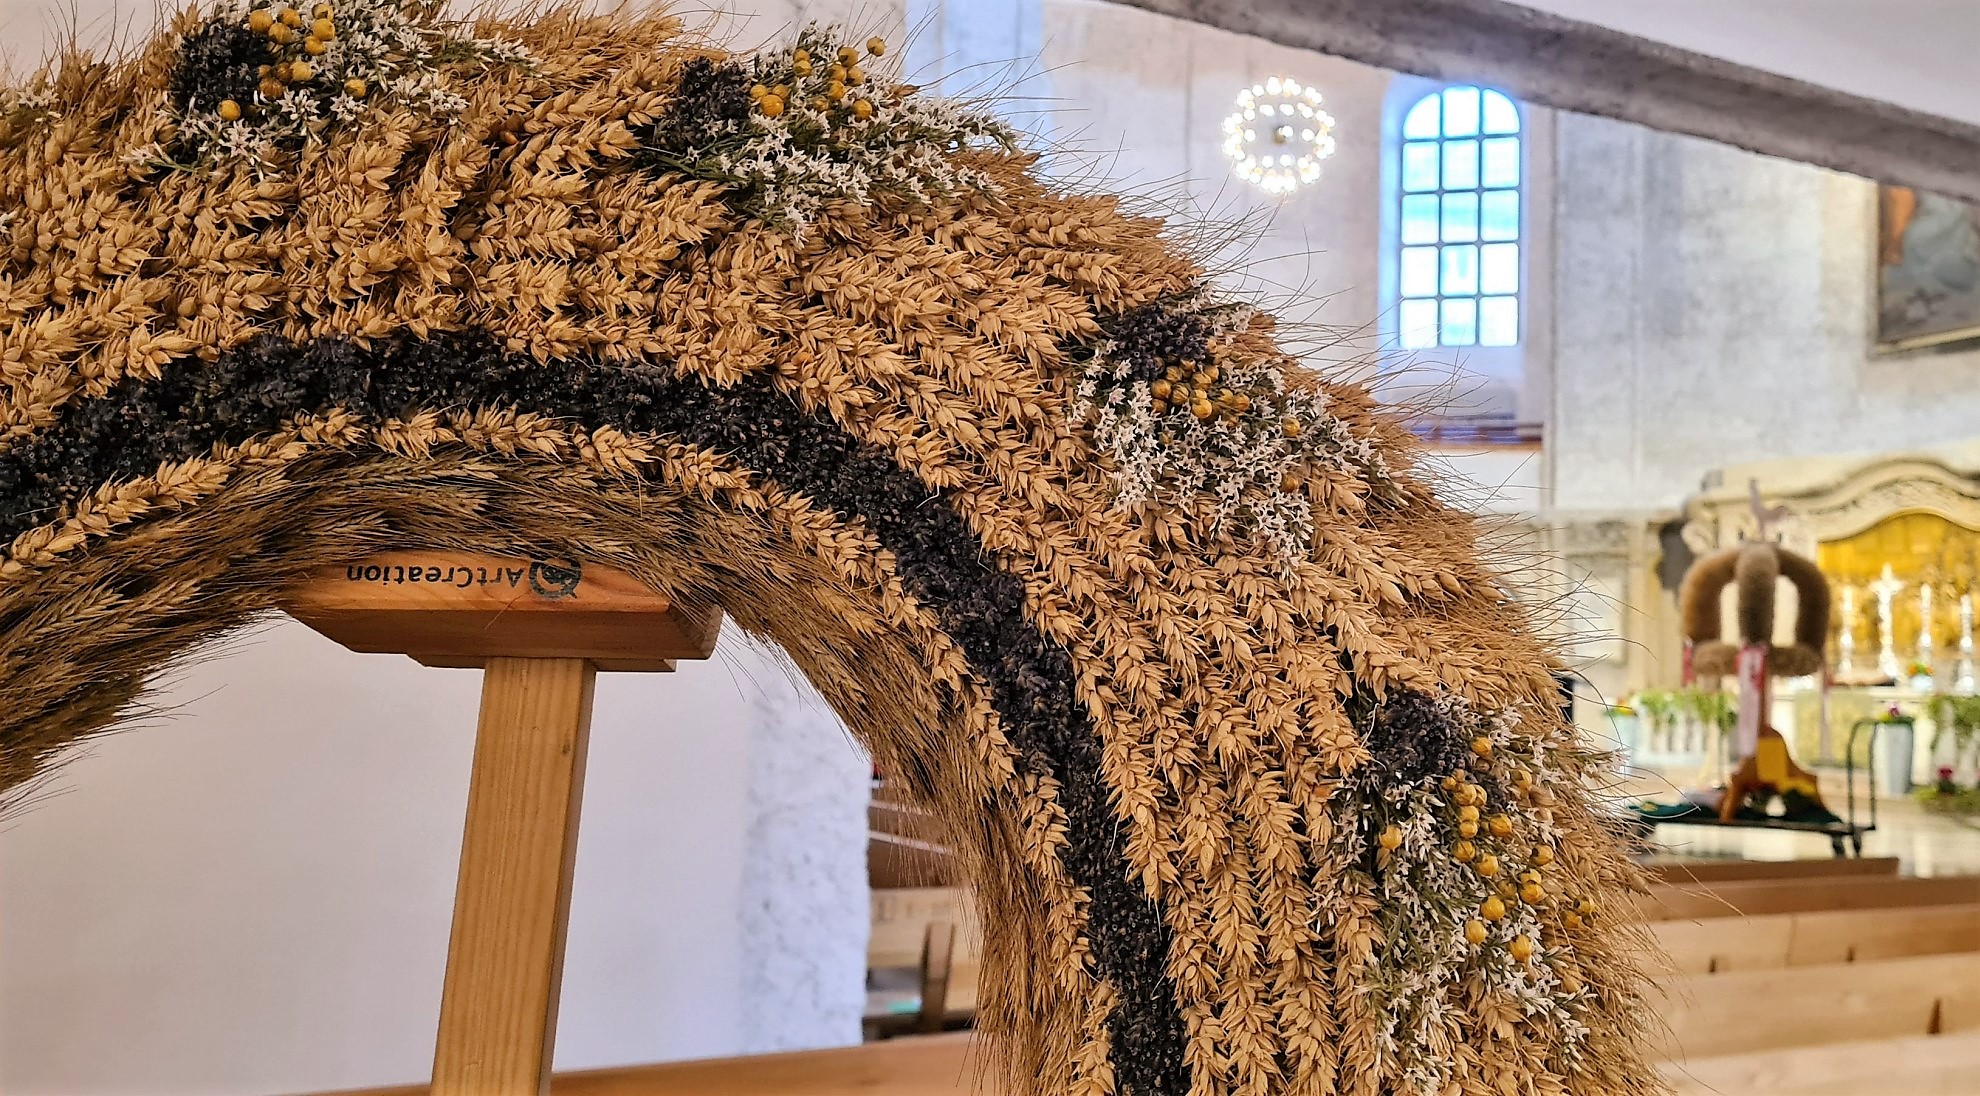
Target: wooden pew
(1760,1010)
(932,1065)
(894,862)
(1730,871)
(1911,1065)
(901,920)
(1803,939)
(1752,898)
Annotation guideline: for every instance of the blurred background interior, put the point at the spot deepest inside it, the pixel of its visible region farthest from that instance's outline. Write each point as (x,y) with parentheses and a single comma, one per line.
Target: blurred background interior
(1626,348)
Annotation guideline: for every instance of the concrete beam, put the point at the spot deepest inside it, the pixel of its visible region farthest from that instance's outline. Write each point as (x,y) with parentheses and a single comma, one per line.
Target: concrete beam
(1572,65)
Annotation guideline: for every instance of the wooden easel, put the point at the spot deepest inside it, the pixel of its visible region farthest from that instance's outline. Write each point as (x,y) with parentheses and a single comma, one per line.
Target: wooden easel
(540,630)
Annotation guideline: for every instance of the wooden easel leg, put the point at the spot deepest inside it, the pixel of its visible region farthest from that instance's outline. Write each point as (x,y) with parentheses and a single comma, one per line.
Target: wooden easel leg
(505,961)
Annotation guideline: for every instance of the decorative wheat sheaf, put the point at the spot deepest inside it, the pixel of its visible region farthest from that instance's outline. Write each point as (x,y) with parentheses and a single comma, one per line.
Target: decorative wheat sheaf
(1216,700)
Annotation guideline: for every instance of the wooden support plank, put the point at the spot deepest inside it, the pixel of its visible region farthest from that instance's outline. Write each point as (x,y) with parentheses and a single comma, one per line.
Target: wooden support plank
(1914,1065)
(1673,902)
(498,1012)
(938,954)
(1744,1012)
(1726,871)
(460,609)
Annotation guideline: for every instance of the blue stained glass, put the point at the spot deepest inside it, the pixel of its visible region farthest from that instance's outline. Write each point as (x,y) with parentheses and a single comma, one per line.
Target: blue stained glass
(1501,116)
(1498,321)
(1419,324)
(1460,112)
(1460,165)
(1423,121)
(1498,268)
(1460,218)
(1419,165)
(1460,271)
(1419,219)
(1460,327)
(1500,215)
(1502,162)
(1419,272)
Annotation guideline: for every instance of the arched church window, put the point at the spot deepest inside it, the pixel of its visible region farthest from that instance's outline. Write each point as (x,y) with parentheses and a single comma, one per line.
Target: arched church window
(1459,267)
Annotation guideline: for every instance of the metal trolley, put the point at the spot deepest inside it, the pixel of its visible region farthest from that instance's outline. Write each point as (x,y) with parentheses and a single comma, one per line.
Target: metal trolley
(1845,836)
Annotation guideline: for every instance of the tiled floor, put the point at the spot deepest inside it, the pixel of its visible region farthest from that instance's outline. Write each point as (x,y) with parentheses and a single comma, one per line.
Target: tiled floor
(1927,843)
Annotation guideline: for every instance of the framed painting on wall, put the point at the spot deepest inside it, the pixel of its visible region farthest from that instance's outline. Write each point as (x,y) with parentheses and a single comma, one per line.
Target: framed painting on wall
(1928,269)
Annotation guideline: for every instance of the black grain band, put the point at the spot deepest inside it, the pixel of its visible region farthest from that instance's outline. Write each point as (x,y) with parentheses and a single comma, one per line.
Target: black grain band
(253,388)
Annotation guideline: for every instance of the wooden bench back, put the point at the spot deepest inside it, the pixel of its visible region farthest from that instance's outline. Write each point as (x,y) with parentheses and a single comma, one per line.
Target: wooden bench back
(1751,898)
(1719,944)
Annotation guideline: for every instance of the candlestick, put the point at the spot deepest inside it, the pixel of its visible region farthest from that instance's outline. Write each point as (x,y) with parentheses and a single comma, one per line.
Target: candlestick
(1925,625)
(1964,683)
(1846,643)
(1886,588)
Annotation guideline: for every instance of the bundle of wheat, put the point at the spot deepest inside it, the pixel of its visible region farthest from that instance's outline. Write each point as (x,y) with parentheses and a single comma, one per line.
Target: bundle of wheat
(1260,773)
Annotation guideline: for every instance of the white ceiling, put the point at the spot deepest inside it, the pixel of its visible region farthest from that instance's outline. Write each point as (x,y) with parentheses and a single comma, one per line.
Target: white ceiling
(1923,54)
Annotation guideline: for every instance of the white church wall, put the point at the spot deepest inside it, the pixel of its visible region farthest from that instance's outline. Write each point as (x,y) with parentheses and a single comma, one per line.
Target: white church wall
(1716,307)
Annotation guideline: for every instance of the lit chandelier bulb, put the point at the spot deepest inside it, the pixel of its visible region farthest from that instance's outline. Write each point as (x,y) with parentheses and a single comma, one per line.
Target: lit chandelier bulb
(1284,153)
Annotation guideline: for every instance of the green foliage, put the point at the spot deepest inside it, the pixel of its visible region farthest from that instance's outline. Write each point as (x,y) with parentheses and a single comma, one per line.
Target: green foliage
(1958,717)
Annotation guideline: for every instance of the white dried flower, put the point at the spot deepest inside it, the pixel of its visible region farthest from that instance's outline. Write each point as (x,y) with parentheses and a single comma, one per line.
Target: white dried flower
(395,51)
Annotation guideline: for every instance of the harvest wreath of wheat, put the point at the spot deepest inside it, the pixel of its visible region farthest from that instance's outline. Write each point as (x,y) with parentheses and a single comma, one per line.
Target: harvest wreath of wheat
(1247,750)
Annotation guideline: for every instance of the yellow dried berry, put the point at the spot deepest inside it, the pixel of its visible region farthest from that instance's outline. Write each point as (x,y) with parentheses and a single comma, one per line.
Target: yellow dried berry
(1467,813)
(1488,865)
(801,56)
(1521,948)
(1241,401)
(1173,373)
(280,34)
(1449,784)
(1573,921)
(1290,428)
(782,91)
(1467,829)
(835,91)
(271,88)
(315,47)
(757,91)
(1160,389)
(1481,746)
(836,72)
(848,55)
(260,19)
(1492,909)
(1202,409)
(1542,855)
(770,105)
(801,68)
(1474,932)
(1464,852)
(862,109)
(1532,894)
(855,76)
(1391,838)
(356,88)
(1290,482)
(229,111)
(820,103)
(877,47)
(300,72)
(324,29)
(1161,407)
(1586,907)
(1501,826)
(320,11)
(1570,982)
(291,17)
